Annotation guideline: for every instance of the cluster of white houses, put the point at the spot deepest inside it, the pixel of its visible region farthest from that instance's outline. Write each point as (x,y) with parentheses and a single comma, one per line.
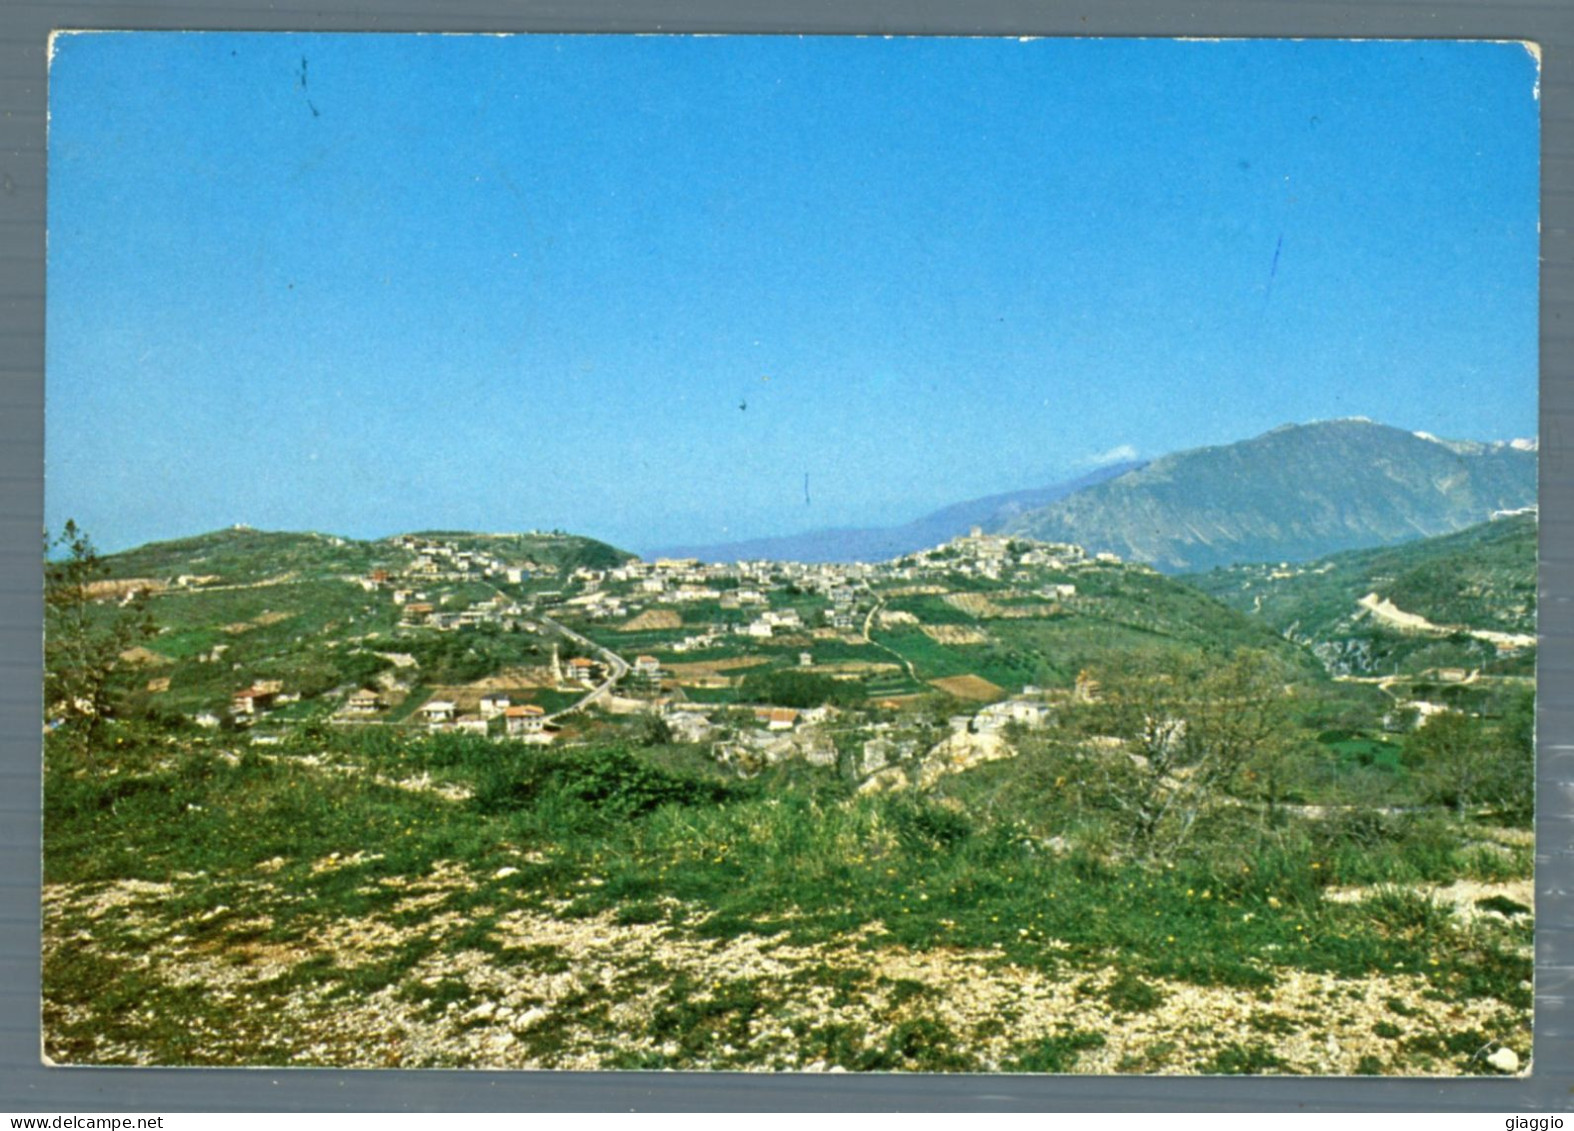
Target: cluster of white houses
(991,555)
(439,560)
(619,591)
(848,589)
(502,611)
(749,585)
(524,721)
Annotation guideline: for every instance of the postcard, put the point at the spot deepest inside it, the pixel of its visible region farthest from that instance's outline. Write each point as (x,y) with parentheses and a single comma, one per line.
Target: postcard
(785,554)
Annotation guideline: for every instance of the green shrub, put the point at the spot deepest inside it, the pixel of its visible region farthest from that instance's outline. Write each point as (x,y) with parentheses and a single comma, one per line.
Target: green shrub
(922,826)
(1055,1054)
(1243,1060)
(1503,905)
(1130,994)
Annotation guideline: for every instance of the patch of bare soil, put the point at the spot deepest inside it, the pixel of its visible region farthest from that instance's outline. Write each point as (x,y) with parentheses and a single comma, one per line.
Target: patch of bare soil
(713,667)
(968,687)
(513,679)
(954,634)
(854,667)
(119,588)
(1034,611)
(651,620)
(1462,897)
(973,604)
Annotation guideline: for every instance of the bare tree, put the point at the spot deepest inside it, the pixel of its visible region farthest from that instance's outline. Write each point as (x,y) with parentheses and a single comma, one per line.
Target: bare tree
(1188,729)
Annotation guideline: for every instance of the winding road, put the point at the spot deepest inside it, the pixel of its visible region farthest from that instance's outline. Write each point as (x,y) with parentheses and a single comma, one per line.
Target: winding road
(619,667)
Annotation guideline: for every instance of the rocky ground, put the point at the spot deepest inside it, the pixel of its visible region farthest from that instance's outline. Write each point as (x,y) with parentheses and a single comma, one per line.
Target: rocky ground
(413,982)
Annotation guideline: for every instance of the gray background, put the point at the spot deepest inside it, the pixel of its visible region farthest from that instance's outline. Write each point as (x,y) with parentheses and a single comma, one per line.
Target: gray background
(27,1087)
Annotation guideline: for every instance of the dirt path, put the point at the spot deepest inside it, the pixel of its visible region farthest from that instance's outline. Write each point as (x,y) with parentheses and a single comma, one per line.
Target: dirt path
(868,623)
(1390,614)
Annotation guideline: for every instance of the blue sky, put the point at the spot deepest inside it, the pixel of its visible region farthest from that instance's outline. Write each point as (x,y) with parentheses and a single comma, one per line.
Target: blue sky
(368,284)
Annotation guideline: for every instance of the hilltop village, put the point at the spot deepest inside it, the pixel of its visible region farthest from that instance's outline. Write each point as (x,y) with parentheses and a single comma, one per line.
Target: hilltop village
(763,661)
(893,673)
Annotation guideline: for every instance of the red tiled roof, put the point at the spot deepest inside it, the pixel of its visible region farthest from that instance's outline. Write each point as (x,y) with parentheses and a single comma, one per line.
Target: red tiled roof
(776,714)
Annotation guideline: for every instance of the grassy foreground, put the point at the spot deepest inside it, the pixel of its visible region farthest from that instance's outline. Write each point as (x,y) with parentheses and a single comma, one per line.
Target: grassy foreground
(389,901)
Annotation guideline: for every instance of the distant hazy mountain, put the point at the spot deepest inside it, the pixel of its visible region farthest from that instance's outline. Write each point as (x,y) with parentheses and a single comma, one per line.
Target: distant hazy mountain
(876,544)
(1293,494)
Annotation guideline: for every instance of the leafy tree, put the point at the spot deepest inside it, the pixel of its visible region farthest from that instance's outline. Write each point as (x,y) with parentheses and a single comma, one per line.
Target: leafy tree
(1462,762)
(1449,756)
(363,668)
(1517,736)
(85,635)
(652,730)
(1519,719)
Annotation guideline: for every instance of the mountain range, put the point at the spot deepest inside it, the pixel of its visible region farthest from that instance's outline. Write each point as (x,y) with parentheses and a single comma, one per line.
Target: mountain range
(1293,494)
(1299,492)
(881,543)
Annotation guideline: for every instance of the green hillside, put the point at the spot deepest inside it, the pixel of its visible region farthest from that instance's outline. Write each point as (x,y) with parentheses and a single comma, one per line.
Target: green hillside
(1480,579)
(239,607)
(1118,609)
(1007,631)
(241,555)
(1294,494)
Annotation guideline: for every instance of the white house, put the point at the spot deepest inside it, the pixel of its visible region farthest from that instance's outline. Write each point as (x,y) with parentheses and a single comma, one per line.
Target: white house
(777,718)
(526,718)
(253,700)
(363,702)
(1023,712)
(439,712)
